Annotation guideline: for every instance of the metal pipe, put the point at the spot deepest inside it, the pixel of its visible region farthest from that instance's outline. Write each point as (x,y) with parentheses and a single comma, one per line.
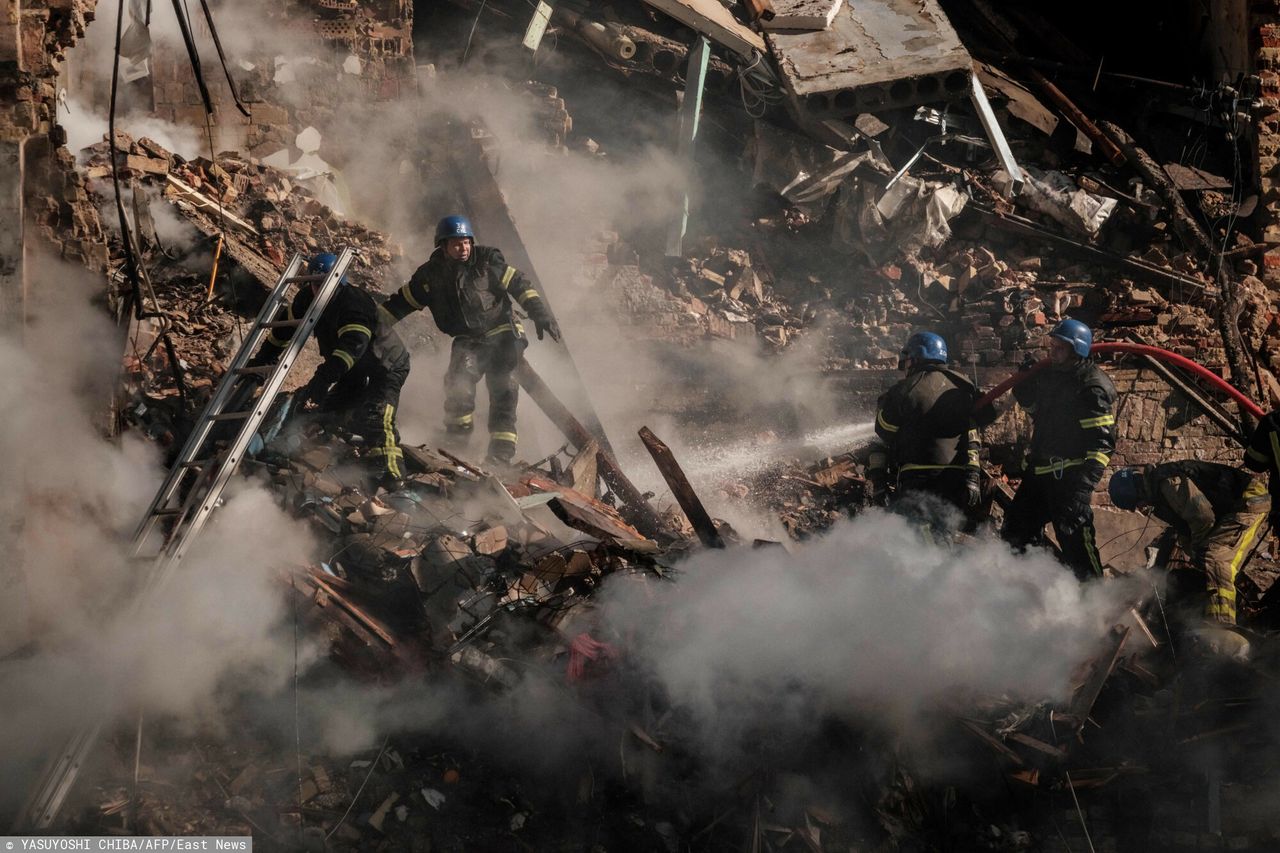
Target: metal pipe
(1133,349)
(607,39)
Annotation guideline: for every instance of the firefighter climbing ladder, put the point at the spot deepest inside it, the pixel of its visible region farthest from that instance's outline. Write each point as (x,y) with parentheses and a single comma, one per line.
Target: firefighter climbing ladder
(194,488)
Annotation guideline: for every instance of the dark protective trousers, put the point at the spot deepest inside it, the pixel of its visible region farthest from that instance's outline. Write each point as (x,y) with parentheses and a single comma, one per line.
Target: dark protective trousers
(1045,499)
(368,400)
(950,489)
(494,357)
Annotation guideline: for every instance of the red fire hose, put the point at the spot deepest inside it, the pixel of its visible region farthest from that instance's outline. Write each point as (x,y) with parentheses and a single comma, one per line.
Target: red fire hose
(1136,349)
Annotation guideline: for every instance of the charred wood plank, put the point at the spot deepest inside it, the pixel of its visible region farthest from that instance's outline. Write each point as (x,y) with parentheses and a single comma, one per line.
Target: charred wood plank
(681,488)
(642,515)
(1100,669)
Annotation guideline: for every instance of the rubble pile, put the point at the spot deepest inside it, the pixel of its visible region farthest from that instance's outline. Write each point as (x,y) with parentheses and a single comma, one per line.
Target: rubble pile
(868,205)
(248,221)
(476,584)
(982,287)
(264,216)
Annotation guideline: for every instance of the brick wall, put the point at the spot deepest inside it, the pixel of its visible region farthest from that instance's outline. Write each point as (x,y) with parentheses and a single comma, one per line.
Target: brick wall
(39,186)
(377,34)
(1265,44)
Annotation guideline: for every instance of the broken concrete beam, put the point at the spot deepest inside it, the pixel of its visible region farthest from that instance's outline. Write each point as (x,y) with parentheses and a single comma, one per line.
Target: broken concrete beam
(682,489)
(801,14)
(607,39)
(877,55)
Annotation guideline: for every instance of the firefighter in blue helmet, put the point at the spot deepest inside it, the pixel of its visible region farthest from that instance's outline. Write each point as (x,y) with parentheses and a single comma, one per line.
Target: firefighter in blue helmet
(928,427)
(1216,512)
(469,290)
(365,366)
(1072,409)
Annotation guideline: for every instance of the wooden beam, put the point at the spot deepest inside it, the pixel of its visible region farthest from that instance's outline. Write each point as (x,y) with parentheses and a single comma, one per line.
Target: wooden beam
(1101,668)
(642,514)
(681,488)
(714,21)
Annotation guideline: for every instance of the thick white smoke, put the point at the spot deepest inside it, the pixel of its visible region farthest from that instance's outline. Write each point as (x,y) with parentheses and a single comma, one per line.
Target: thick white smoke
(870,621)
(73,641)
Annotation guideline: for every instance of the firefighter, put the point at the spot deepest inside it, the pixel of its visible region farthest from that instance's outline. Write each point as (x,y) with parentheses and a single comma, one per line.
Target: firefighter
(1072,409)
(468,289)
(1263,455)
(1215,511)
(365,365)
(926,422)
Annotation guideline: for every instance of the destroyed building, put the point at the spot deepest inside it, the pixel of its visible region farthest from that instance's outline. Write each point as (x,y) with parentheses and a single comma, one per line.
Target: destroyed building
(681,620)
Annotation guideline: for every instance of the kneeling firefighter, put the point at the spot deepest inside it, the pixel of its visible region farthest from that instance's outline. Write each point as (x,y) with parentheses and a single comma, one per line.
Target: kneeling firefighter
(365,366)
(1215,511)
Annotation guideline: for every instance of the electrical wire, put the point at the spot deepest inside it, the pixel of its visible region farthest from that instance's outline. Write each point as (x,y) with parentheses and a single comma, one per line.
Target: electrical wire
(756,98)
(471,35)
(193,54)
(132,267)
(222,58)
(297,725)
(373,765)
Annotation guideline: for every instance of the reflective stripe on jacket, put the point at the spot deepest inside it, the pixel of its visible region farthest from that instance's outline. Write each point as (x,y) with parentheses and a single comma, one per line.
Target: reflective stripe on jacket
(925,420)
(1073,411)
(471,297)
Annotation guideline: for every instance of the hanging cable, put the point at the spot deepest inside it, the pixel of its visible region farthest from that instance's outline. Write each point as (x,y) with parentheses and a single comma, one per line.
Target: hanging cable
(222,58)
(193,55)
(471,35)
(126,232)
(130,261)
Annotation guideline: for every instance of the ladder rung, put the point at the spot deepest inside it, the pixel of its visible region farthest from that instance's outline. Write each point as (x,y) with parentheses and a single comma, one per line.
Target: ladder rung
(260,370)
(282,324)
(231,416)
(165,513)
(310,277)
(197,463)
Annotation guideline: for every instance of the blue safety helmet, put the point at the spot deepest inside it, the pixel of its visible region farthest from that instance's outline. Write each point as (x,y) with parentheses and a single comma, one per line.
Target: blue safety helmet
(1075,333)
(1126,488)
(323,264)
(925,346)
(453,226)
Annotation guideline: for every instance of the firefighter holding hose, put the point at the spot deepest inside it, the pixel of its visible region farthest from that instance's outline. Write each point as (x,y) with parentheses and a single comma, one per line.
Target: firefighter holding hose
(1072,409)
(927,424)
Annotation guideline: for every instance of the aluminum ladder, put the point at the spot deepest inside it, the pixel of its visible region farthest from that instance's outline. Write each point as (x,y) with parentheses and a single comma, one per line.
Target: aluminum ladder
(192,491)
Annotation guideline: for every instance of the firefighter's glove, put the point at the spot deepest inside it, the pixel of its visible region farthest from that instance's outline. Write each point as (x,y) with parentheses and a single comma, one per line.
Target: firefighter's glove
(1088,476)
(313,393)
(548,326)
(972,492)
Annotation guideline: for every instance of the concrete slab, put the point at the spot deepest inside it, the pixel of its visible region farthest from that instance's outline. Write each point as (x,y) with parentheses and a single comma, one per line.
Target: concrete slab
(801,14)
(876,55)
